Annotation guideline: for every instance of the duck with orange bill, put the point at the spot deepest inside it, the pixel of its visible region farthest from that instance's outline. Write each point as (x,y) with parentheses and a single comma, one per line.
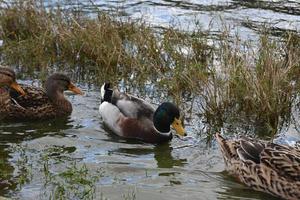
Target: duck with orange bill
(34,103)
(7,80)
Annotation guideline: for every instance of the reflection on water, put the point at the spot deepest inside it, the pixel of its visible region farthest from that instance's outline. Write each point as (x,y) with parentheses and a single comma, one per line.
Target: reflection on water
(12,134)
(6,172)
(164,158)
(23,130)
(161,153)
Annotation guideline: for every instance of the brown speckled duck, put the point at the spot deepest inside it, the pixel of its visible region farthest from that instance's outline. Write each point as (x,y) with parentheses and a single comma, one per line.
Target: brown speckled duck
(266,167)
(7,79)
(38,103)
(132,117)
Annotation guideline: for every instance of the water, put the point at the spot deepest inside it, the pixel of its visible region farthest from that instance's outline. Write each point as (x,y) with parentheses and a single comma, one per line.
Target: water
(245,17)
(181,169)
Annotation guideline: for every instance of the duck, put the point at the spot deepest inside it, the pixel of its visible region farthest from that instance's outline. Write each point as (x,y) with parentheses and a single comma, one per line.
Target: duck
(131,117)
(263,166)
(7,80)
(40,104)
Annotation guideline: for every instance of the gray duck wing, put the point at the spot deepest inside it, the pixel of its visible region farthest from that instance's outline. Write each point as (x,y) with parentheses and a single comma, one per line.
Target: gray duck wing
(132,106)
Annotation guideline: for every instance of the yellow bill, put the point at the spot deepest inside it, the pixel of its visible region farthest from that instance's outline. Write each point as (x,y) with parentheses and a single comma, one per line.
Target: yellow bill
(18,88)
(177,125)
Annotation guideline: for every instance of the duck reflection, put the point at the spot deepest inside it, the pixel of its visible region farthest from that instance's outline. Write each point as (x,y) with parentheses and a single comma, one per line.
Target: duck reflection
(164,158)
(162,153)
(18,132)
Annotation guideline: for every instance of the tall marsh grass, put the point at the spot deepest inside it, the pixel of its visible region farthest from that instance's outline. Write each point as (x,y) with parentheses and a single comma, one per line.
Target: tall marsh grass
(246,82)
(255,84)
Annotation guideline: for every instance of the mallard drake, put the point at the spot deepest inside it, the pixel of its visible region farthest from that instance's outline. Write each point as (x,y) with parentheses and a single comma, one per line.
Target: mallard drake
(38,103)
(7,79)
(263,166)
(131,117)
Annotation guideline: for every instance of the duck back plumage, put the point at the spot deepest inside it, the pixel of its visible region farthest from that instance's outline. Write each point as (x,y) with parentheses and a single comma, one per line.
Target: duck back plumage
(263,166)
(132,106)
(34,105)
(4,103)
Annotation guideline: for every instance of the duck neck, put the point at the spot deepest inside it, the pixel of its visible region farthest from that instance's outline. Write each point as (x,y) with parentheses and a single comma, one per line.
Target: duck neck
(59,100)
(4,96)
(161,126)
(168,134)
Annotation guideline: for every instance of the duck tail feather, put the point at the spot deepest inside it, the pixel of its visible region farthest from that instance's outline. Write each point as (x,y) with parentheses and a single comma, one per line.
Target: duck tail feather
(242,154)
(106,92)
(250,150)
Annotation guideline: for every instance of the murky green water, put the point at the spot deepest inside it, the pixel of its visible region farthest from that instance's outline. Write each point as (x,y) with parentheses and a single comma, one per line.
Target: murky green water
(181,169)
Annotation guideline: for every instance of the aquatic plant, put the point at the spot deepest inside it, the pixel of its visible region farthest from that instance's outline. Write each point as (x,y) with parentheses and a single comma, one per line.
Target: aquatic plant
(254,86)
(74,181)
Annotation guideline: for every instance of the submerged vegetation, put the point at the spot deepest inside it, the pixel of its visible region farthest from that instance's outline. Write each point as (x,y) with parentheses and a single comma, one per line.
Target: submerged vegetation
(75,181)
(60,175)
(253,84)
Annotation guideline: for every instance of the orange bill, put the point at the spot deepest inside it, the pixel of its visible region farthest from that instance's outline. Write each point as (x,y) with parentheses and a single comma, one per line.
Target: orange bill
(75,89)
(18,88)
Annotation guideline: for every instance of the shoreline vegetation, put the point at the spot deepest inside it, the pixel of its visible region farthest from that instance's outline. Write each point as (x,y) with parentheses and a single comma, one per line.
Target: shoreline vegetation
(251,84)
